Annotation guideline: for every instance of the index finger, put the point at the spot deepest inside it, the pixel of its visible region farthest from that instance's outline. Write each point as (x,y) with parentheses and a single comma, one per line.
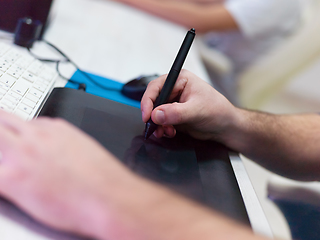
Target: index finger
(150,95)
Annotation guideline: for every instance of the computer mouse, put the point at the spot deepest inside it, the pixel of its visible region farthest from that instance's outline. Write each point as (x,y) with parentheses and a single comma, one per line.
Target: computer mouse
(135,88)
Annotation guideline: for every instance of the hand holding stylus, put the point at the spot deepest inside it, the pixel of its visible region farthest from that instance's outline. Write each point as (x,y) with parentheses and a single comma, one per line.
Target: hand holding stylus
(171,79)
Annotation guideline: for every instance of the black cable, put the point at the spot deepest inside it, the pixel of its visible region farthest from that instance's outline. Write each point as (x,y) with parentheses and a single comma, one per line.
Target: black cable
(68,60)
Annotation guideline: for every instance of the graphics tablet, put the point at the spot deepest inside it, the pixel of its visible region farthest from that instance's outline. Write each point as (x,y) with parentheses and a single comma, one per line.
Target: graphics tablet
(200,170)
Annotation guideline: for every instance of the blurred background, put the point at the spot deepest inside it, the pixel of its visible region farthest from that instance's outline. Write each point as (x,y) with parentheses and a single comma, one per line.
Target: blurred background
(286,80)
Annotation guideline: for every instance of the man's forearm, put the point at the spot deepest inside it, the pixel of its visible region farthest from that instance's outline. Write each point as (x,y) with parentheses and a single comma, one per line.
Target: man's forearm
(148,211)
(285,144)
(202,17)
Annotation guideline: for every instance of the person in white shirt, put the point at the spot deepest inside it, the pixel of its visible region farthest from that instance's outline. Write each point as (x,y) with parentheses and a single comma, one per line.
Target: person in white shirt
(242,30)
(261,25)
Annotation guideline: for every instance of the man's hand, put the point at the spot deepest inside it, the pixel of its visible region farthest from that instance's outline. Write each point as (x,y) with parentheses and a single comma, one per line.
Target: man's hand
(56,173)
(195,108)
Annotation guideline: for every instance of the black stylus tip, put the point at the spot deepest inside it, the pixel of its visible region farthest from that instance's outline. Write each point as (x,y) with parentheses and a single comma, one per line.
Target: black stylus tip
(150,128)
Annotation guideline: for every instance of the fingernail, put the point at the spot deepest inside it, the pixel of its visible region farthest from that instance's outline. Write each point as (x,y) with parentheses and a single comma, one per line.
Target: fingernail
(160,117)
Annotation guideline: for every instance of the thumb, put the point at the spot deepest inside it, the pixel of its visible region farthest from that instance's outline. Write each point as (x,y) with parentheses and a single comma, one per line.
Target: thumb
(171,114)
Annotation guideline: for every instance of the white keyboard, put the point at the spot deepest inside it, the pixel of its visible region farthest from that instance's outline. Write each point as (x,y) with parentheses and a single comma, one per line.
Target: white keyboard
(25,82)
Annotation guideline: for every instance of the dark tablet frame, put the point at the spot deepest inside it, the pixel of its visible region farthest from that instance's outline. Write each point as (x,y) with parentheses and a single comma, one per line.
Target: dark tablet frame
(208,179)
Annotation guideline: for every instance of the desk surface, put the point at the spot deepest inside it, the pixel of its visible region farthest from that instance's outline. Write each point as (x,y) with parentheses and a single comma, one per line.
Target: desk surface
(115,41)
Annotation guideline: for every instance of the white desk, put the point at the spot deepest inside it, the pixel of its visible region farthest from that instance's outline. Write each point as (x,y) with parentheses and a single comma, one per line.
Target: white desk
(118,42)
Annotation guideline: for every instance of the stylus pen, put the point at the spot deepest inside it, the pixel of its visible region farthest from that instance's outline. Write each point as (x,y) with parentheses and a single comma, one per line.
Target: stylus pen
(171,79)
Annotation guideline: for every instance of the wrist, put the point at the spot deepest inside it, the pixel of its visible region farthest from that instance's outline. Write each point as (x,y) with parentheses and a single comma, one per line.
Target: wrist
(246,129)
(233,126)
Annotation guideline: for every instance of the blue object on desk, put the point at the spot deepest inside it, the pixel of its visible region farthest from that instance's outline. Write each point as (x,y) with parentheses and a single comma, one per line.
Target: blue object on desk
(113,94)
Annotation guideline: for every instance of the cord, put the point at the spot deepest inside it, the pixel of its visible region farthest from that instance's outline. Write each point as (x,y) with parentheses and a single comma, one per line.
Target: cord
(68,60)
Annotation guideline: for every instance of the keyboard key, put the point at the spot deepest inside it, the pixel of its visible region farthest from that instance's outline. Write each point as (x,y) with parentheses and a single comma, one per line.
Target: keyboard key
(35,92)
(20,88)
(2,91)
(29,103)
(36,68)
(8,80)
(12,56)
(16,73)
(25,108)
(4,86)
(41,88)
(32,97)
(29,76)
(47,74)
(24,62)
(15,95)
(5,108)
(12,99)
(8,103)
(41,81)
(17,68)
(4,65)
